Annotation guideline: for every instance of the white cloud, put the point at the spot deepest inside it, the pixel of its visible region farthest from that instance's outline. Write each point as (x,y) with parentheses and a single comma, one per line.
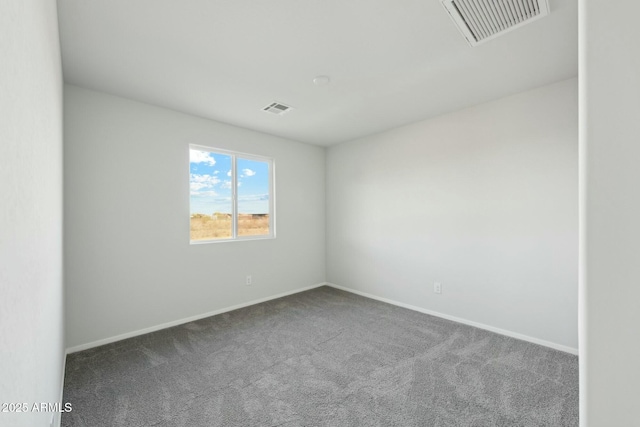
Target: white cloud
(197,156)
(210,193)
(229,173)
(208,180)
(195,186)
(202,182)
(226,184)
(248,172)
(253,197)
(216,172)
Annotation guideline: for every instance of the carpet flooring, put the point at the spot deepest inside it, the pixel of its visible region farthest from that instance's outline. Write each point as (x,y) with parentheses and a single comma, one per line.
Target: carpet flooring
(321,358)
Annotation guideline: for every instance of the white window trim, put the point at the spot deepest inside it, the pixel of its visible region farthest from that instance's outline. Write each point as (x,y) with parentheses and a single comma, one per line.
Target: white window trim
(234,194)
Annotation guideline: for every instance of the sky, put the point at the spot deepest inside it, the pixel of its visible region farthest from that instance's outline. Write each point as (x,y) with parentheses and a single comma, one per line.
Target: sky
(210,183)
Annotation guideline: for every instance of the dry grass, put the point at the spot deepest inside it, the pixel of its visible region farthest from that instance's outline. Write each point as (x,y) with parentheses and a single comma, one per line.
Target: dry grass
(218,226)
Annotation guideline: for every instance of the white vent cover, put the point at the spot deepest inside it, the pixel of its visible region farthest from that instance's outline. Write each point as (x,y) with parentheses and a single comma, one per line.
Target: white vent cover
(482,20)
(277,108)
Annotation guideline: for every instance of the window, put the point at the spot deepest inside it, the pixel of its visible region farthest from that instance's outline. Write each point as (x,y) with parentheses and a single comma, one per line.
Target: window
(231,195)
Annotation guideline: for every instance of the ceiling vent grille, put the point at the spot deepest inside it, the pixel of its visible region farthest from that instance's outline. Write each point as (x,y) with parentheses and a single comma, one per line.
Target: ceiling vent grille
(483,20)
(277,108)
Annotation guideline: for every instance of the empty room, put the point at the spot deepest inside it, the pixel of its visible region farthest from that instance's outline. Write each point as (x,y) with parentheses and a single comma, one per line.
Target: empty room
(319,213)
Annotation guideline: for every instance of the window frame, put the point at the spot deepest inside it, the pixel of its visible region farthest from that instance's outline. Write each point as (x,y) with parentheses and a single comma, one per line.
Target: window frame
(234,194)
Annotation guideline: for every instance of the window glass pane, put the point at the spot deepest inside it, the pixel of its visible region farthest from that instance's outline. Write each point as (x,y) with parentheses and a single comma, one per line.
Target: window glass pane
(210,189)
(253,197)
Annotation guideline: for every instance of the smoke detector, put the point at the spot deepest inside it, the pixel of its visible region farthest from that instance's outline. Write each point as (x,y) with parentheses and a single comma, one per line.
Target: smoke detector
(483,20)
(277,108)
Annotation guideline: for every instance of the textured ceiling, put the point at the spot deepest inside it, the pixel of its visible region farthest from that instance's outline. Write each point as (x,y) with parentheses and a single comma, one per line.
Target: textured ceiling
(391,62)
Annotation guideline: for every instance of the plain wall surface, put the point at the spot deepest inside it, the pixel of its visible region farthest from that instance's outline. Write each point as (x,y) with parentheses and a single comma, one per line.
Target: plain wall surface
(129,264)
(610,230)
(484,201)
(31,282)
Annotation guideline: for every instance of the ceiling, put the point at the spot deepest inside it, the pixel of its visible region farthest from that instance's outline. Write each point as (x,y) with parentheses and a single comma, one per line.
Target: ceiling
(391,62)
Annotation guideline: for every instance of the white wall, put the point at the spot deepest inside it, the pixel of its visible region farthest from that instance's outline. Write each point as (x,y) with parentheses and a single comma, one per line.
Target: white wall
(610,231)
(129,264)
(484,200)
(31,290)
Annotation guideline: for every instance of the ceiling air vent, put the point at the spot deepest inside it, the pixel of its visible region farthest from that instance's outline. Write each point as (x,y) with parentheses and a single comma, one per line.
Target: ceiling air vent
(482,20)
(277,108)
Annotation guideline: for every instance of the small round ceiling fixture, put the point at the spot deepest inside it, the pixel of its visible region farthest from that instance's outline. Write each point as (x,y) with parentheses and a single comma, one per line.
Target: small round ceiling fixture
(321,80)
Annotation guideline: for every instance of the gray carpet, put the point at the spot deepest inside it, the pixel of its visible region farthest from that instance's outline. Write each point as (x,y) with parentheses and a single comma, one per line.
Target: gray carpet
(321,358)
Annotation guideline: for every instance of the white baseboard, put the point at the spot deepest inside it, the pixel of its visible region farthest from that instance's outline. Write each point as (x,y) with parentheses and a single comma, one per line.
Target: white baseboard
(511,334)
(110,340)
(505,332)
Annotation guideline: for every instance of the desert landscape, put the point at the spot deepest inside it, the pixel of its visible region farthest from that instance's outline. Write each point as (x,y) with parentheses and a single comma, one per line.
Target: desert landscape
(219,225)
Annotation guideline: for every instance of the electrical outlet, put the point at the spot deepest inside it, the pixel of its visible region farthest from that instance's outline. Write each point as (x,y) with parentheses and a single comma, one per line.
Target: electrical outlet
(249,280)
(437,287)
